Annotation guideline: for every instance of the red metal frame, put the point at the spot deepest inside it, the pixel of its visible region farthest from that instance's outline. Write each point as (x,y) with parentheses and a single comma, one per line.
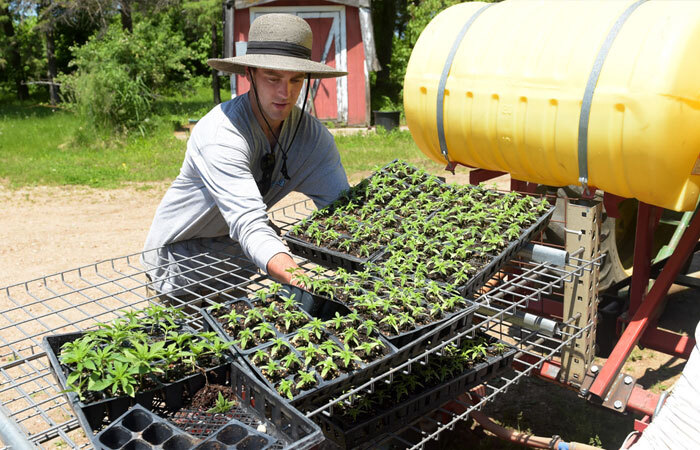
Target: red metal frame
(651,304)
(644,307)
(641,401)
(477,176)
(647,220)
(667,342)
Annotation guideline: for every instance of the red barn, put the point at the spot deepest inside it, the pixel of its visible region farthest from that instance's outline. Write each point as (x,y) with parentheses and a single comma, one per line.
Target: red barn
(343,38)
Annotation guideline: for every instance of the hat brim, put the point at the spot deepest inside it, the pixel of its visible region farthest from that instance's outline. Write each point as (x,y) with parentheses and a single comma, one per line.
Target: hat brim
(238,64)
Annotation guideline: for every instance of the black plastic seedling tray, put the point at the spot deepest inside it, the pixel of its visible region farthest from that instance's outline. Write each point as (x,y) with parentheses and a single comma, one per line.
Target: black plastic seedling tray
(414,344)
(316,305)
(212,324)
(497,262)
(96,412)
(379,367)
(326,257)
(312,305)
(350,435)
(139,428)
(258,407)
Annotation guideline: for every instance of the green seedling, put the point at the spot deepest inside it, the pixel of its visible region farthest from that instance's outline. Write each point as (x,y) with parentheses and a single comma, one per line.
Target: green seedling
(222,405)
(306,380)
(246,339)
(286,389)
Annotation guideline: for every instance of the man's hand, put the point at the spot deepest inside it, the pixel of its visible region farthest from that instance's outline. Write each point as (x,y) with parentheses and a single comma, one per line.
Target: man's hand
(277,268)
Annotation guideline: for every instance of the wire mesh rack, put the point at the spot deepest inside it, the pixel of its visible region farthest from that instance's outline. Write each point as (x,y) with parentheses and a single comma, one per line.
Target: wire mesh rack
(33,407)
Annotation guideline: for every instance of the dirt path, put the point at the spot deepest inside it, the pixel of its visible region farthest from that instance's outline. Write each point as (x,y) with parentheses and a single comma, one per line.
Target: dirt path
(50,229)
(45,230)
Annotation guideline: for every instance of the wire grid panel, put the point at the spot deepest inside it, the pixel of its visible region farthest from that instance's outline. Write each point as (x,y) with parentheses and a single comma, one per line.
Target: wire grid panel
(75,300)
(502,301)
(535,350)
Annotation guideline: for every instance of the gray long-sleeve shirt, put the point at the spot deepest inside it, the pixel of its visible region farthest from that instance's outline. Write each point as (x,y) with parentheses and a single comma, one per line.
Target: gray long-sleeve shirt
(216,195)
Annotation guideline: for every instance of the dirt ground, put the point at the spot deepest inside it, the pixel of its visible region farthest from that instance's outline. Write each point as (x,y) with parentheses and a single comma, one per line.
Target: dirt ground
(45,230)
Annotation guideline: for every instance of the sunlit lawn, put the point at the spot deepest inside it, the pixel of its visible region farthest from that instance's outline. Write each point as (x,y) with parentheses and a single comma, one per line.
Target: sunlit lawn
(40,145)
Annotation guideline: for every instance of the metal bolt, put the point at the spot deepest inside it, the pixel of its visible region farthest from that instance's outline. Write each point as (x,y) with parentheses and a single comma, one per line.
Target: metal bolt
(628,379)
(617,404)
(594,369)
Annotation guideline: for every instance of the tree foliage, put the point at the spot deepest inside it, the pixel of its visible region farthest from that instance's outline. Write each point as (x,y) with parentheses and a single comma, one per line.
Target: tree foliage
(119,74)
(397,26)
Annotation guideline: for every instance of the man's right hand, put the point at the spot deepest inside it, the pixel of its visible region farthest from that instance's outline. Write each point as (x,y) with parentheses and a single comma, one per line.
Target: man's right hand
(277,268)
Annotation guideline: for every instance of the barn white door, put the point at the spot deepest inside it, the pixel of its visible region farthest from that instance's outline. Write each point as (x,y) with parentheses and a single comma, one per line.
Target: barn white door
(330,96)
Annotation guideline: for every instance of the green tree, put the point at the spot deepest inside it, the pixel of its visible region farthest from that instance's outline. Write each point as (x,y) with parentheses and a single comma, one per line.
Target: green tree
(18,46)
(397,26)
(119,74)
(203,17)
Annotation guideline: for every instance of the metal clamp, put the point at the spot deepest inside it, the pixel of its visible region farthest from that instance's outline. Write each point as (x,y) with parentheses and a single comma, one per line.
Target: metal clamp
(443,81)
(585,116)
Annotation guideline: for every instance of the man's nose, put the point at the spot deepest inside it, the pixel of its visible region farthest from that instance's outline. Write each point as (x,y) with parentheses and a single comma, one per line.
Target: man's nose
(285,89)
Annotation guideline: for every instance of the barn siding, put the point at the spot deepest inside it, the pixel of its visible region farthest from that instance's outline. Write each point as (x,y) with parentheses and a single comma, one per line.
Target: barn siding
(356,101)
(357,105)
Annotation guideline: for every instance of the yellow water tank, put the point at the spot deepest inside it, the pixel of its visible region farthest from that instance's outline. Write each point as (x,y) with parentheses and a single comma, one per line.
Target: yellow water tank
(533,84)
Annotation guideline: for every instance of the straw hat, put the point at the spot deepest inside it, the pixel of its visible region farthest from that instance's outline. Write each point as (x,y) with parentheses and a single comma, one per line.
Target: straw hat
(278,42)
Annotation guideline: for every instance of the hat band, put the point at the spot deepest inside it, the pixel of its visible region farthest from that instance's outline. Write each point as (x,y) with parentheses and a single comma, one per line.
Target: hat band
(278,48)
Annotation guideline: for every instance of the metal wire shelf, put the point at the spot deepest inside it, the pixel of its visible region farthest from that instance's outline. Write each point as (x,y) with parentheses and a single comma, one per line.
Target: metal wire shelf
(75,300)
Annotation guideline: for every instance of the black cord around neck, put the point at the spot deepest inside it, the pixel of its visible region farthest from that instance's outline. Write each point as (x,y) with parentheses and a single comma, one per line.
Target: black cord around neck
(285,174)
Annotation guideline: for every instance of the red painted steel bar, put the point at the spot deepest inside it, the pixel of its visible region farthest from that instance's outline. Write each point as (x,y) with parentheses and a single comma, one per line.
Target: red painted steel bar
(648,311)
(643,241)
(523,186)
(611,202)
(667,342)
(548,308)
(642,401)
(477,176)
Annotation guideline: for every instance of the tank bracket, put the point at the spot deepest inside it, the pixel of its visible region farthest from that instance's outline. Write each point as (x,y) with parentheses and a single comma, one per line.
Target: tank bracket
(581,293)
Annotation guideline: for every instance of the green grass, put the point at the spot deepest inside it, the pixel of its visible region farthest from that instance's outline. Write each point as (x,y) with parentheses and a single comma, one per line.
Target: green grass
(40,145)
(365,151)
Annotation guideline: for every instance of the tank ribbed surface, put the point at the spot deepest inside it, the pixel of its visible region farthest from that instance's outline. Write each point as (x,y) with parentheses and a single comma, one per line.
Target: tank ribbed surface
(514,93)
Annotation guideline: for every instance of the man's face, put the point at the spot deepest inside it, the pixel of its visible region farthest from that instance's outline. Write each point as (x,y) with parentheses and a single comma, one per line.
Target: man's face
(277,92)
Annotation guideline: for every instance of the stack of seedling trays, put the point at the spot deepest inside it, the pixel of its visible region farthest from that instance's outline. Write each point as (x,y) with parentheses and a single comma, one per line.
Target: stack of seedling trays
(141,365)
(464,234)
(363,417)
(326,350)
(428,245)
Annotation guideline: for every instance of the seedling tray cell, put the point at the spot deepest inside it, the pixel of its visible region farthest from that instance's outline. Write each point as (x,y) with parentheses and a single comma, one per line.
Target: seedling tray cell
(141,428)
(326,257)
(350,435)
(235,435)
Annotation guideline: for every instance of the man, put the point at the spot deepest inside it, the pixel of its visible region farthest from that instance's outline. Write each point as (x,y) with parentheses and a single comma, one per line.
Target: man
(245,154)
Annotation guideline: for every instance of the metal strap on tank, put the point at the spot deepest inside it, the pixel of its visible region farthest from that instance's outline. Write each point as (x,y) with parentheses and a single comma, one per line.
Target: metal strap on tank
(590,89)
(443,81)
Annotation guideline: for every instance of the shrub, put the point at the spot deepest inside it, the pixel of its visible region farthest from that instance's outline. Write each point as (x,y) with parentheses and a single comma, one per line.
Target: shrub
(119,74)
